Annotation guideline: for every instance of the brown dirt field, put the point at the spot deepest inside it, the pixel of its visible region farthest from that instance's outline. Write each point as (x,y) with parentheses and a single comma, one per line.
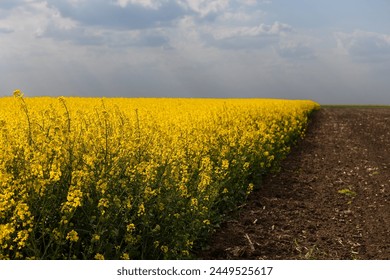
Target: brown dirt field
(330,200)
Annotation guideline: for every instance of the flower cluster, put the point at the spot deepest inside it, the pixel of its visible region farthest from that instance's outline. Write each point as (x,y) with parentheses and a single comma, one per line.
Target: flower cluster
(123,178)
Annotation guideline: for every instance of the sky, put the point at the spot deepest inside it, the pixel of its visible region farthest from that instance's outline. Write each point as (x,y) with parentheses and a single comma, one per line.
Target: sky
(332,52)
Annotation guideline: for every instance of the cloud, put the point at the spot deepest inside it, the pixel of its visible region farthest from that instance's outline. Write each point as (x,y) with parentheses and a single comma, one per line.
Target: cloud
(153,39)
(260,30)
(31,18)
(122,15)
(138,23)
(151,4)
(36,20)
(254,2)
(10,4)
(6,30)
(295,50)
(364,46)
(86,36)
(247,37)
(190,48)
(205,7)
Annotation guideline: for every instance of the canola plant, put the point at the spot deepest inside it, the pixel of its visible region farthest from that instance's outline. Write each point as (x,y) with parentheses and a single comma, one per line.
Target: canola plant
(132,178)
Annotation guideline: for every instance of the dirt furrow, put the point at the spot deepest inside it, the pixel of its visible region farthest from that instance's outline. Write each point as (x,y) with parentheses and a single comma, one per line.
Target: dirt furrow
(330,200)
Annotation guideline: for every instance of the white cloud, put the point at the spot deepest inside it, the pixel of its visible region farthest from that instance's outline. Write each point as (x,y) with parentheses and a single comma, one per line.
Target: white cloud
(33,17)
(123,14)
(254,2)
(263,29)
(76,3)
(205,7)
(235,17)
(10,4)
(295,50)
(38,20)
(364,46)
(6,29)
(245,37)
(250,2)
(152,4)
(183,48)
(104,23)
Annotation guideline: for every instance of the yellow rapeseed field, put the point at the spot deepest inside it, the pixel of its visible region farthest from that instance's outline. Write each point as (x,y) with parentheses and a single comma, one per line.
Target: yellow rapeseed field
(131,178)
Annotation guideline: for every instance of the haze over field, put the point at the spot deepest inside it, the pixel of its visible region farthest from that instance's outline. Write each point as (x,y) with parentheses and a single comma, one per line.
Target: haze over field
(327,51)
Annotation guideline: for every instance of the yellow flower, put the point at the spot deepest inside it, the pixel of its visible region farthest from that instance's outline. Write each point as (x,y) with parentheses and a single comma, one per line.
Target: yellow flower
(72,236)
(185,253)
(194,202)
(125,256)
(57,234)
(95,237)
(99,256)
(141,209)
(137,158)
(6,230)
(250,188)
(130,227)
(156,228)
(103,203)
(21,239)
(18,93)
(164,249)
(225,164)
(189,243)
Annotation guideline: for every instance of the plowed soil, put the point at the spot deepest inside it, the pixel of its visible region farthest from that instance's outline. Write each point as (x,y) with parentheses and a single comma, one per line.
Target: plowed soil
(330,200)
